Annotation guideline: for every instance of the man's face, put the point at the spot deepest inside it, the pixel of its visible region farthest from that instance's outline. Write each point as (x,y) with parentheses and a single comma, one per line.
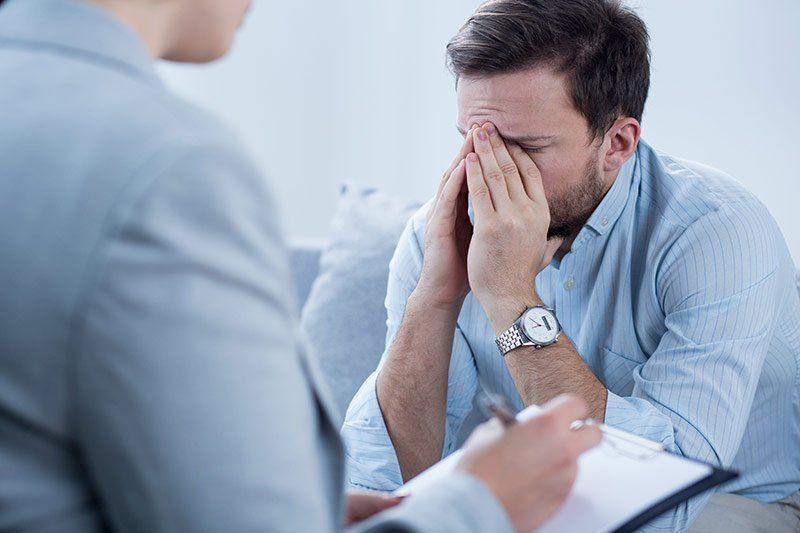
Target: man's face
(203,30)
(533,109)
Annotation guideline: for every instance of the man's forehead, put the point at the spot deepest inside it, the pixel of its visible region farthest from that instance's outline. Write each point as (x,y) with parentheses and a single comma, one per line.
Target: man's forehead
(513,101)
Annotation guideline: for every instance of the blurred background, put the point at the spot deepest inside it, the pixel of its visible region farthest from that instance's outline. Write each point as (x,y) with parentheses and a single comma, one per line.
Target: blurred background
(324,92)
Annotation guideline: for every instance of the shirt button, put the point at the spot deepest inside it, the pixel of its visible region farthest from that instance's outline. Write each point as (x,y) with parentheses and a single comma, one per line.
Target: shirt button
(569,284)
(604,221)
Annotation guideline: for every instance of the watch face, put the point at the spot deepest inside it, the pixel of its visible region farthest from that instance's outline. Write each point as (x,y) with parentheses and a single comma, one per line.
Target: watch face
(540,325)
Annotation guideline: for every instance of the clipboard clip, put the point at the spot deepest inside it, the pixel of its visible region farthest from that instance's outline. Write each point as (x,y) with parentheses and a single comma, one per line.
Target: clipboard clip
(622,443)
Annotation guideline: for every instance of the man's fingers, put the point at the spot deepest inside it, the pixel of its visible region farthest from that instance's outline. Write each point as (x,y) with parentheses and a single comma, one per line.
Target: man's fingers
(506,163)
(478,190)
(449,197)
(492,174)
(531,177)
(466,148)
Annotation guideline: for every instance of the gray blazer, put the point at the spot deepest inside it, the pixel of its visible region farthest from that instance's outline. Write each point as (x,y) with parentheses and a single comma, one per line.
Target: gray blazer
(152,377)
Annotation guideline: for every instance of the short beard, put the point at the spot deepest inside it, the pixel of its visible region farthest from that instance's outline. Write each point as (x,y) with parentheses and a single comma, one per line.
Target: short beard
(570,210)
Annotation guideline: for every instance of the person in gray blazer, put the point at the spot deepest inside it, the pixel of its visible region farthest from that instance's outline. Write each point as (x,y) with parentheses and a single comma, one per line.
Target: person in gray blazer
(152,376)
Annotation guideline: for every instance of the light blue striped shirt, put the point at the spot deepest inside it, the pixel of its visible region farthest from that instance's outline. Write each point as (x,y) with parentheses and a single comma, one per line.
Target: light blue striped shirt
(679,294)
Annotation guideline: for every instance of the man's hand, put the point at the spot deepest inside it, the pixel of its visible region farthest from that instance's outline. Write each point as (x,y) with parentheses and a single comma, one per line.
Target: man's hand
(411,386)
(362,505)
(531,467)
(443,281)
(509,246)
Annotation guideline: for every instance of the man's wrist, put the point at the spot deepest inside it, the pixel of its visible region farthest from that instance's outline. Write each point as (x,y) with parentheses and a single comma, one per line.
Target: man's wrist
(504,311)
(422,303)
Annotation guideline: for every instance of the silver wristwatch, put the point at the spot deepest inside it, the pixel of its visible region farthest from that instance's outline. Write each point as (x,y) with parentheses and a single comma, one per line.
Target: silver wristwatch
(538,327)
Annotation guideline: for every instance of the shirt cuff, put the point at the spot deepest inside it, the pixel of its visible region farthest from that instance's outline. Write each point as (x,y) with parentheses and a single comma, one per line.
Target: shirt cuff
(460,502)
(640,417)
(371,462)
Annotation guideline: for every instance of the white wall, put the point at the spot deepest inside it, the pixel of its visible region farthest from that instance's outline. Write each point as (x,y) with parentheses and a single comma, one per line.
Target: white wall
(323,92)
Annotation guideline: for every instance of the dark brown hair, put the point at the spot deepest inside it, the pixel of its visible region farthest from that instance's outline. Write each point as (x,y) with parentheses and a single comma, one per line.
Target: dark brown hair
(600,45)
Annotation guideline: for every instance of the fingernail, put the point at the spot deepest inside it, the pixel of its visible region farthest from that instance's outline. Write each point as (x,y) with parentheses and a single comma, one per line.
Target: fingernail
(481,134)
(472,157)
(490,128)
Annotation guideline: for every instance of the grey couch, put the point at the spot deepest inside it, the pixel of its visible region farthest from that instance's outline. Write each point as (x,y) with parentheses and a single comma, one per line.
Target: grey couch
(305,267)
(346,375)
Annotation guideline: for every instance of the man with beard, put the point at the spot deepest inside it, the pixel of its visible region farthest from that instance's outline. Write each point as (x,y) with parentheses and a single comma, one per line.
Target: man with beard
(152,375)
(580,260)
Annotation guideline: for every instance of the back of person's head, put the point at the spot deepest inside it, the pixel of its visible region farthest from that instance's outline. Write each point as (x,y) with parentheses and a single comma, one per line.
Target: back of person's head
(600,45)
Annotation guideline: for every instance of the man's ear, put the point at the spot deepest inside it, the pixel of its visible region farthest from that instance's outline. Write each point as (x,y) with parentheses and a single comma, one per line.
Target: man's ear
(621,139)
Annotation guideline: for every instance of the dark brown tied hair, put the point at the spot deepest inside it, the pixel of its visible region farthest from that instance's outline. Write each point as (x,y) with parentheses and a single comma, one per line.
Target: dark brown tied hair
(600,45)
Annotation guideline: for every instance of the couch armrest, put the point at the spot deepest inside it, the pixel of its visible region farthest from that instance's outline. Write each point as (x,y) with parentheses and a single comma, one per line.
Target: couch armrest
(304,262)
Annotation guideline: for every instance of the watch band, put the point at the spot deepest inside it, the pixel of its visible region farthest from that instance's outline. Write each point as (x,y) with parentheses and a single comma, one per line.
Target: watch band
(511,339)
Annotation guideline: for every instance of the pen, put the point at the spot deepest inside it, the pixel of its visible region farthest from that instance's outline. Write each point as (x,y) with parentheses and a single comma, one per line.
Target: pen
(494,405)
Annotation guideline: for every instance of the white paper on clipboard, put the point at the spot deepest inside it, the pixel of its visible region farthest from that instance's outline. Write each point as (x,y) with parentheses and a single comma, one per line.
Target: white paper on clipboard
(616,481)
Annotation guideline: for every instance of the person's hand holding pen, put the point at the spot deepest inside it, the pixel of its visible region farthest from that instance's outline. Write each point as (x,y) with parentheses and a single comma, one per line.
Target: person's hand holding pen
(531,466)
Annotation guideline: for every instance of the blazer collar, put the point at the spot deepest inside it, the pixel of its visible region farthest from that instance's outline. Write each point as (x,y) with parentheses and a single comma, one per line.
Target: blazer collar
(76,27)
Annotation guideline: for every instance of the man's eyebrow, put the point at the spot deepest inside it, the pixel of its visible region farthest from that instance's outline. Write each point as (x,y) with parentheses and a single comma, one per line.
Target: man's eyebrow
(524,139)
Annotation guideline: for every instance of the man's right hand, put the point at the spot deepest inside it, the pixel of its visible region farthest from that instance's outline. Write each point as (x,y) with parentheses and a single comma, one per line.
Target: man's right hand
(531,466)
(443,282)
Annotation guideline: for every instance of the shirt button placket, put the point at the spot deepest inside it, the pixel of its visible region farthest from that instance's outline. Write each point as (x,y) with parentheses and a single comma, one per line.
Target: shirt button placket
(569,283)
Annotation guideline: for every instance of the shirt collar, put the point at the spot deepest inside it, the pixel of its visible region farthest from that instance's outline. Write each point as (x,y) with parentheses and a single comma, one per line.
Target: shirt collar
(615,200)
(80,27)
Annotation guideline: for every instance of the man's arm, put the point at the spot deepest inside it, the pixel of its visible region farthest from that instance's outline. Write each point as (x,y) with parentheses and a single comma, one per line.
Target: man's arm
(720,284)
(420,394)
(412,385)
(542,374)
(510,247)
(371,457)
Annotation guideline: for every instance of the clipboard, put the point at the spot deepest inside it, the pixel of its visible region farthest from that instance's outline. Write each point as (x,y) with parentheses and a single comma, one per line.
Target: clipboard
(716,478)
(647,482)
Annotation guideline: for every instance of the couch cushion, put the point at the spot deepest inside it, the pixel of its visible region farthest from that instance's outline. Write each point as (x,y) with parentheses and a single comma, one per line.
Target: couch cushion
(344,318)
(304,262)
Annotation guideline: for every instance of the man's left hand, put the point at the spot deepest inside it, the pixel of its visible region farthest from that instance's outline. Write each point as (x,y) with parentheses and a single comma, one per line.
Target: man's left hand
(509,245)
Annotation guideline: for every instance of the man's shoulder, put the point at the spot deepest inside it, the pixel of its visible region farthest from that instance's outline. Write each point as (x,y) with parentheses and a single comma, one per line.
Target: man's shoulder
(704,219)
(681,192)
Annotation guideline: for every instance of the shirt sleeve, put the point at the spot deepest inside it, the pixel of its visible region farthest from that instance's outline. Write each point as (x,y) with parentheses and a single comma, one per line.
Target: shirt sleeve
(371,461)
(717,286)
(192,406)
